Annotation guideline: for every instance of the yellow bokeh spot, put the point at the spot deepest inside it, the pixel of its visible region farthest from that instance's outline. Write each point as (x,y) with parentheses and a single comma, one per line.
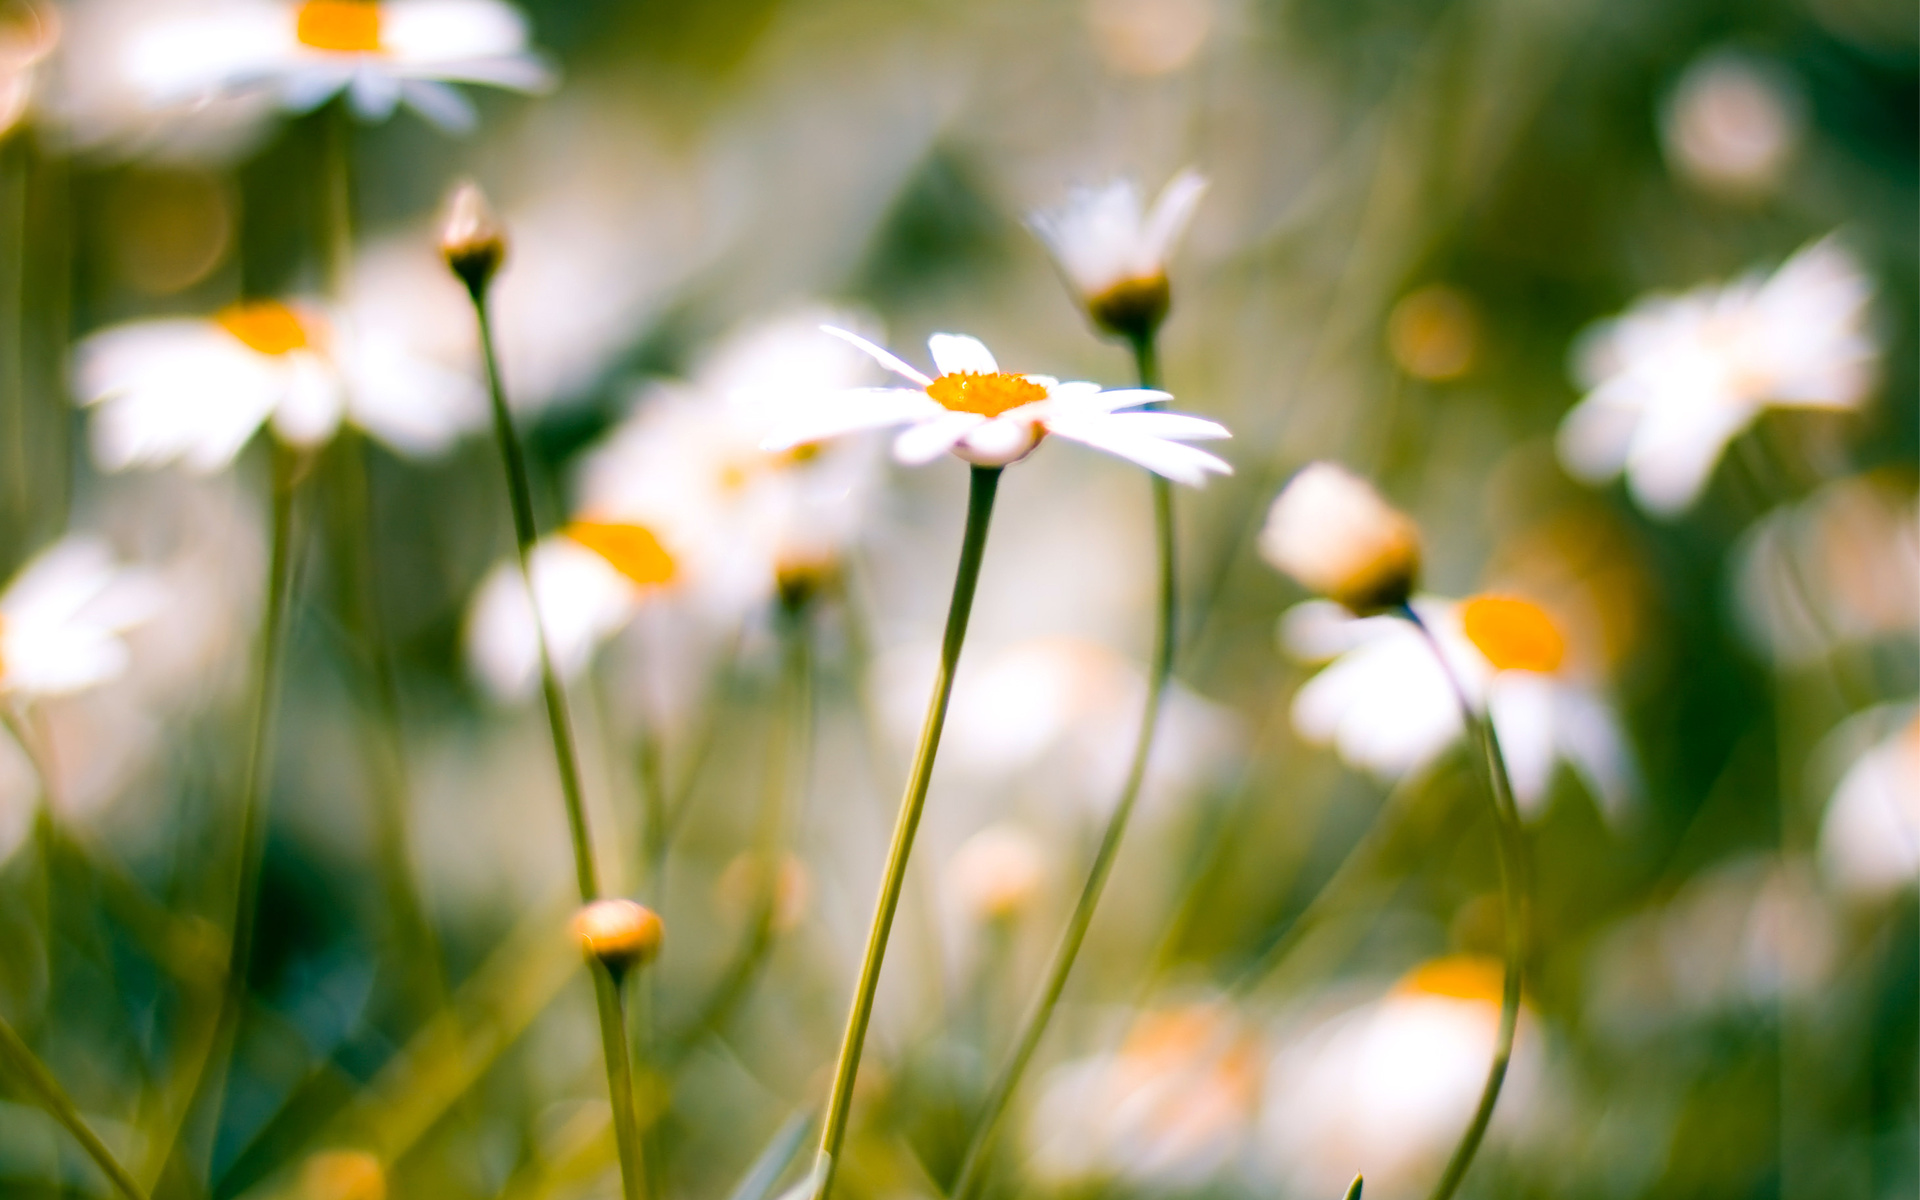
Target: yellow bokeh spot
(1515,635)
(987,395)
(343,1175)
(1460,977)
(633,550)
(266,326)
(348,26)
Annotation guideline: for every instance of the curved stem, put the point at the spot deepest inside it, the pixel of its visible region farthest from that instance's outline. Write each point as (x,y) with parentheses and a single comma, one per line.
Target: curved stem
(984,482)
(607,993)
(40,1082)
(1515,890)
(1034,1027)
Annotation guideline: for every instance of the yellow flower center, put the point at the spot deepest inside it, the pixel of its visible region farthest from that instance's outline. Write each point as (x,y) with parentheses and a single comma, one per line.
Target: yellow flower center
(348,26)
(633,550)
(1515,635)
(265,326)
(987,395)
(1460,977)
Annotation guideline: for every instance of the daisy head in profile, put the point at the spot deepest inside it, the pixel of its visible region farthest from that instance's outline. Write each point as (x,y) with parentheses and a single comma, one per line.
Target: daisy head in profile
(379,53)
(1330,530)
(62,617)
(1113,250)
(195,390)
(993,418)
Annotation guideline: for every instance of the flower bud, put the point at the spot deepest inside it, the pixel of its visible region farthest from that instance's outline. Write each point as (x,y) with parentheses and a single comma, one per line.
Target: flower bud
(471,240)
(1132,308)
(997,872)
(343,1175)
(620,933)
(1333,533)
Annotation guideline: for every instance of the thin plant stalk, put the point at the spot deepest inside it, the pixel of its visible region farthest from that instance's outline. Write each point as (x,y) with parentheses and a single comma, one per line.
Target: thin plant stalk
(40,1083)
(1515,888)
(1034,1026)
(984,483)
(288,467)
(607,992)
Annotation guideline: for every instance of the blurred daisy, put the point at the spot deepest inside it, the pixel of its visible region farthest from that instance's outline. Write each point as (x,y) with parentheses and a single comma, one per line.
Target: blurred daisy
(1114,253)
(29,33)
(62,617)
(1676,378)
(195,390)
(1385,705)
(1870,837)
(380,54)
(992,418)
(1733,124)
(1333,533)
(1388,1086)
(1170,1108)
(997,873)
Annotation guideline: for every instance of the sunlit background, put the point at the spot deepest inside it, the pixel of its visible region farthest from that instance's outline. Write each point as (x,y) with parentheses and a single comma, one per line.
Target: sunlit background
(1419,216)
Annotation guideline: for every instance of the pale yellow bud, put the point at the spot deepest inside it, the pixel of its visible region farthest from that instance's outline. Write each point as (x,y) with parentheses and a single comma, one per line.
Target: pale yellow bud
(1331,531)
(620,933)
(471,239)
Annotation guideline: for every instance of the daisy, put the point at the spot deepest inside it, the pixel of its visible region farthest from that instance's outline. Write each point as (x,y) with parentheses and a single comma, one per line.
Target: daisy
(1675,379)
(993,418)
(1333,533)
(62,617)
(1386,706)
(1870,836)
(29,33)
(1114,254)
(380,54)
(194,390)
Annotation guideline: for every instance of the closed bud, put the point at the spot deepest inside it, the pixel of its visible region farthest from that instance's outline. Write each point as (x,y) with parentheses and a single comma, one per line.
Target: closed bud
(472,240)
(1333,533)
(620,933)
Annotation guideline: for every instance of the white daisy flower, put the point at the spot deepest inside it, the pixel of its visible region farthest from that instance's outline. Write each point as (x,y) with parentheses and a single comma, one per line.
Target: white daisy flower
(194,390)
(1333,533)
(993,418)
(381,54)
(1114,253)
(1675,379)
(62,617)
(1870,836)
(1386,1087)
(1385,705)
(1172,1106)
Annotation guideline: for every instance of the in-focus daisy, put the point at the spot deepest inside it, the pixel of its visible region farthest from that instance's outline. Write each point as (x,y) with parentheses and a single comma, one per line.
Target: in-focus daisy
(1114,253)
(1386,706)
(1171,1107)
(992,418)
(1333,533)
(1387,1086)
(1870,836)
(1676,378)
(62,617)
(381,54)
(194,390)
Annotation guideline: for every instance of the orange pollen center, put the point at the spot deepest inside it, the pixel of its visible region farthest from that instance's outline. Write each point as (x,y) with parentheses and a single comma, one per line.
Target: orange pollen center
(633,550)
(265,326)
(987,395)
(1461,977)
(1515,635)
(349,26)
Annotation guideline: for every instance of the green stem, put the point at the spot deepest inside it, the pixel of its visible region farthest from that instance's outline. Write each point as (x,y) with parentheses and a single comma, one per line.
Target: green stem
(984,482)
(1034,1027)
(23,1063)
(613,1027)
(1515,889)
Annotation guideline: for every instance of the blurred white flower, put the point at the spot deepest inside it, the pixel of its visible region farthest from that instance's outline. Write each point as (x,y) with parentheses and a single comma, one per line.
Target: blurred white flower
(381,53)
(1171,1107)
(194,390)
(588,582)
(1114,254)
(1333,533)
(991,418)
(63,616)
(1386,1088)
(1870,836)
(29,33)
(997,872)
(1732,124)
(1385,705)
(1839,568)
(1676,378)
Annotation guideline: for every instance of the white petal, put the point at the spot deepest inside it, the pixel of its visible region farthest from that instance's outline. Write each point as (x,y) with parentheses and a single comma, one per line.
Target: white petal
(442,106)
(310,410)
(422,32)
(928,440)
(1172,212)
(881,355)
(1594,745)
(1178,462)
(1595,437)
(999,442)
(1177,427)
(374,93)
(1676,449)
(817,418)
(1521,704)
(955,352)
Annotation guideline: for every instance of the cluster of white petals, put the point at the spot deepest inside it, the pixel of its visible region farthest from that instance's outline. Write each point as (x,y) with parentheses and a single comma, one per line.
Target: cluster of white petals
(1104,237)
(62,619)
(1676,378)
